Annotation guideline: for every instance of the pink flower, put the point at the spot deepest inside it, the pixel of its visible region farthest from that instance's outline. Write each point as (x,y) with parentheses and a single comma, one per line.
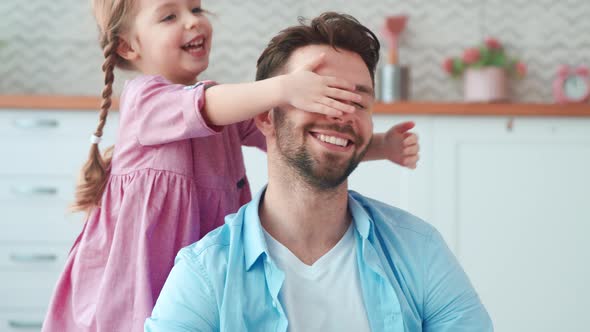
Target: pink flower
(448,65)
(471,55)
(563,70)
(521,69)
(493,44)
(583,70)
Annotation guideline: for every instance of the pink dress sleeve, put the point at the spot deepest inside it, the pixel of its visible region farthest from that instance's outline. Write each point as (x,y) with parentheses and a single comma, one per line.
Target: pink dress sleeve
(167,112)
(251,136)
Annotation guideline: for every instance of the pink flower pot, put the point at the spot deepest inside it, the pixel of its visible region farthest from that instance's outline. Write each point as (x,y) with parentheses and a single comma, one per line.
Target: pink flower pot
(487,84)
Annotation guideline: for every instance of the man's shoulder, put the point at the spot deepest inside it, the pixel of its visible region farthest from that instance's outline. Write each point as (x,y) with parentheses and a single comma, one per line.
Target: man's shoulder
(388,218)
(214,247)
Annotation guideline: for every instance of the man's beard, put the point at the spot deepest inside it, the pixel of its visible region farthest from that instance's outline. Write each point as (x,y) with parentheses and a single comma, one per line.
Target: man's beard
(322,175)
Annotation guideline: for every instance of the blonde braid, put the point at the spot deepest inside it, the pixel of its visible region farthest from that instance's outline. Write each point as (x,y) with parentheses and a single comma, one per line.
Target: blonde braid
(108,67)
(97,169)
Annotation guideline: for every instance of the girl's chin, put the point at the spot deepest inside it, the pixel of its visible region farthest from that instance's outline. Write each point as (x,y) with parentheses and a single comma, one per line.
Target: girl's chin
(196,70)
(184,79)
(191,74)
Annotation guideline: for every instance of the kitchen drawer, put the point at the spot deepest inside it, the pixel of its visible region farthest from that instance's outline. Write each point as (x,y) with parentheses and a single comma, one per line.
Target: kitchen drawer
(33,257)
(28,273)
(25,289)
(37,188)
(49,142)
(27,222)
(35,208)
(32,154)
(29,320)
(48,124)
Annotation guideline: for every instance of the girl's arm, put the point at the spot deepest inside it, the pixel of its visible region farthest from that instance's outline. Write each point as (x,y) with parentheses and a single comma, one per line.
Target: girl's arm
(230,103)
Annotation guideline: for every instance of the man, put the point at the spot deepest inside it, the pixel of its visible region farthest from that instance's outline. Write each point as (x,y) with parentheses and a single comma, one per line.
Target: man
(306,254)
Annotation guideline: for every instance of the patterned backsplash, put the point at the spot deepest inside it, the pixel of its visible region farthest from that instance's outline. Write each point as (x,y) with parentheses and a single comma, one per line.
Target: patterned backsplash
(50,46)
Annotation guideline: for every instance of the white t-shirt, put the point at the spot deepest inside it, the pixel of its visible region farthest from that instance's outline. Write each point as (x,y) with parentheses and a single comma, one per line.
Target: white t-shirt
(325,296)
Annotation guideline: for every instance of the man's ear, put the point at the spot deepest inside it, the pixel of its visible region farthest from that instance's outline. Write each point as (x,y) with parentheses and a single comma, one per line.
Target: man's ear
(126,51)
(264,122)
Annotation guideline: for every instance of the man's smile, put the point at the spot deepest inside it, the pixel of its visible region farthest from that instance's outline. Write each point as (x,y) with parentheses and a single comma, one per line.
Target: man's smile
(333,140)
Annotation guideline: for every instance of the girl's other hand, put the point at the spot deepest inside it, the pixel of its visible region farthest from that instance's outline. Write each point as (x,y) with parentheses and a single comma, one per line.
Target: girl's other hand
(401,145)
(311,92)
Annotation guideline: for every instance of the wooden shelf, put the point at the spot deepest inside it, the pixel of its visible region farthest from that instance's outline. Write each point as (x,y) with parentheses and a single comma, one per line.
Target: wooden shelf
(49,102)
(92,103)
(491,109)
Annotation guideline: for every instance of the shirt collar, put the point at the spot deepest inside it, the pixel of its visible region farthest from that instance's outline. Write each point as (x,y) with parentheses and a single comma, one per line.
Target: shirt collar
(362,221)
(255,245)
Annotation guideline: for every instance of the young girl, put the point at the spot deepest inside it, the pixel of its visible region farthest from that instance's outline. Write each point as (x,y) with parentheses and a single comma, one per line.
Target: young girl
(177,168)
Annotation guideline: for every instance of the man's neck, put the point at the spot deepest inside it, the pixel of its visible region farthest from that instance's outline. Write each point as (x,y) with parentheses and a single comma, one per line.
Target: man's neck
(308,222)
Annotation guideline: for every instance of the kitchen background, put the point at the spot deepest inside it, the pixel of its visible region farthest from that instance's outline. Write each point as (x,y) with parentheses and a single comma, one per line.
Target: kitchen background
(509,193)
(51,46)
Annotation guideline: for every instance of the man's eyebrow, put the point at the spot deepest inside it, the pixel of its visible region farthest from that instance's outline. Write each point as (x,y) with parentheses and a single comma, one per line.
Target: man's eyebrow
(365,89)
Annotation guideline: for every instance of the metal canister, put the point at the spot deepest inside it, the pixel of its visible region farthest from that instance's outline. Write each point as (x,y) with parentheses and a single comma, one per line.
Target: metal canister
(394,83)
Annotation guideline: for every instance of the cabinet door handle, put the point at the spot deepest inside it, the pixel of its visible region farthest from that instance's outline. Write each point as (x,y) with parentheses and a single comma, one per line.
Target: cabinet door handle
(35,190)
(36,123)
(33,258)
(25,325)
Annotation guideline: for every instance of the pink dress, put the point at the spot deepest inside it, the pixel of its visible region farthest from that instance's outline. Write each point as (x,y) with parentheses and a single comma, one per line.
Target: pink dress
(173,179)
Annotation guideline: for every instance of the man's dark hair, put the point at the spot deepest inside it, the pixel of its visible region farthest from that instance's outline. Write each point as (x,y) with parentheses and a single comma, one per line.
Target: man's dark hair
(340,31)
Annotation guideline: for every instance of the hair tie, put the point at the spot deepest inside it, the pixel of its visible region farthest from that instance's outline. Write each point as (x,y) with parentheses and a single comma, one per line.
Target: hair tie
(95,139)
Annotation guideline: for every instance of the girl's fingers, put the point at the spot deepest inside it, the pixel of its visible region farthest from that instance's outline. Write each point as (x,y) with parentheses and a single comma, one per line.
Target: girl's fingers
(404,127)
(343,95)
(312,64)
(327,110)
(339,83)
(337,105)
(411,162)
(322,109)
(411,139)
(411,150)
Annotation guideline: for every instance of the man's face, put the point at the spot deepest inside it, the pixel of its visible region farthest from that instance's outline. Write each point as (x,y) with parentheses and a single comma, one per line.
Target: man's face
(324,150)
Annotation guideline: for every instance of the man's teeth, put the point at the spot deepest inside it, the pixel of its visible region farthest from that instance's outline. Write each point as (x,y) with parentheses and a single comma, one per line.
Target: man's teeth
(333,140)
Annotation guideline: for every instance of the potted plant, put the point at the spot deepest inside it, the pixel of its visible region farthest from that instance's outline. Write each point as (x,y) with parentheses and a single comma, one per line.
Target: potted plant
(486,69)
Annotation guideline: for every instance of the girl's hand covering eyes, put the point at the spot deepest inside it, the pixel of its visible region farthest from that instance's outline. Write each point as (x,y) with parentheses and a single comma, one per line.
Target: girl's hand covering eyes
(327,95)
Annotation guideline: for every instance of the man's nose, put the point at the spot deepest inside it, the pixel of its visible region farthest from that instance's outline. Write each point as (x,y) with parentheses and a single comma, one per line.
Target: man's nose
(345,117)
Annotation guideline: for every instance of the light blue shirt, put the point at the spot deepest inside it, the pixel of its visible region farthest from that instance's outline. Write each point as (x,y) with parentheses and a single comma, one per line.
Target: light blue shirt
(410,280)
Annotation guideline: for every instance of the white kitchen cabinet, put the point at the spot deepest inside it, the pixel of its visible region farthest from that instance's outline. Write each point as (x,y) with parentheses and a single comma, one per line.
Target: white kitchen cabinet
(512,198)
(42,151)
(21,320)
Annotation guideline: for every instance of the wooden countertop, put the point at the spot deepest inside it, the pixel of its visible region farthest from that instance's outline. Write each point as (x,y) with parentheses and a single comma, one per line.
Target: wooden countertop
(490,109)
(91,103)
(49,102)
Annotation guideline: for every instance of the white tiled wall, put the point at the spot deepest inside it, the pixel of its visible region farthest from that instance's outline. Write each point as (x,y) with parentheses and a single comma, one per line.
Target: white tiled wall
(51,45)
